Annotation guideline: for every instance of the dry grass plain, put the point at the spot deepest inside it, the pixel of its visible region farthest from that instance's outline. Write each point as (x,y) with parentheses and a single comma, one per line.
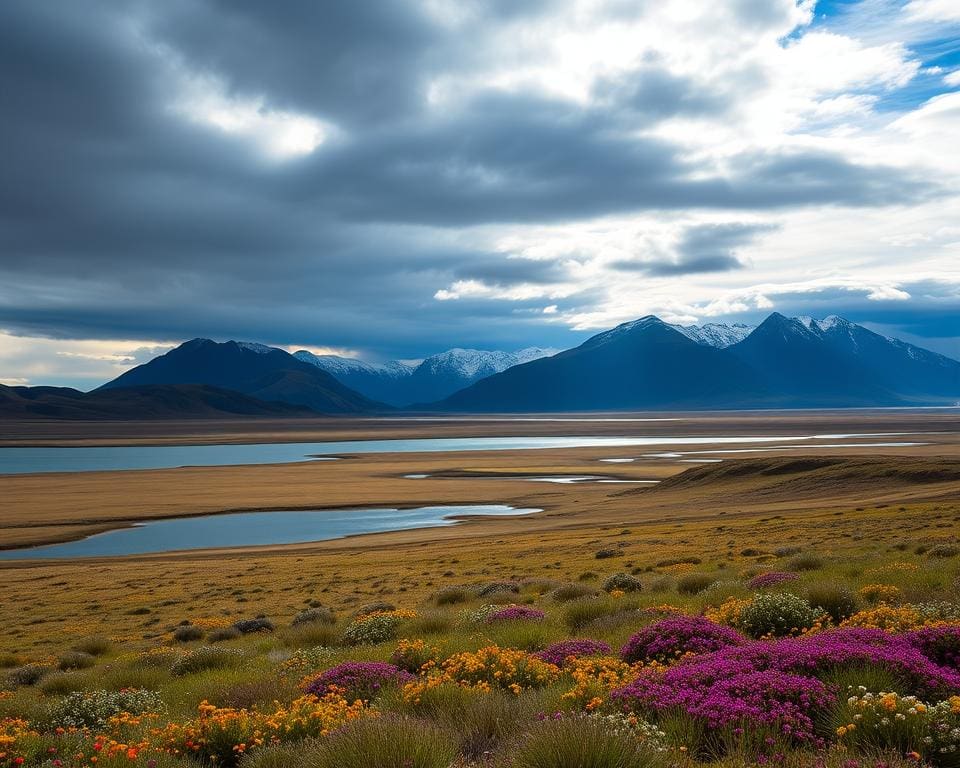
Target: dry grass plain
(863,506)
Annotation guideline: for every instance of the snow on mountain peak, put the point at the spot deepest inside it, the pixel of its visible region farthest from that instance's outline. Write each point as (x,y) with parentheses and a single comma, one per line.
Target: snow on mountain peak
(475,363)
(335,364)
(252,346)
(717,335)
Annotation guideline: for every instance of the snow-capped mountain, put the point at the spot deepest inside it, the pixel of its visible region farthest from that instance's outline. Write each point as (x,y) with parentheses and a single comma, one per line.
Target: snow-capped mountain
(717,335)
(437,376)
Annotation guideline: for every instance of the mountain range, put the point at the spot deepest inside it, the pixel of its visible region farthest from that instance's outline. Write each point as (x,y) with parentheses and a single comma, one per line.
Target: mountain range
(782,363)
(398,383)
(645,364)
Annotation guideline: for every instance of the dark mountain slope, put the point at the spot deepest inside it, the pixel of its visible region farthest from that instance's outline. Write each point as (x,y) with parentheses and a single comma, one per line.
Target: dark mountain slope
(260,372)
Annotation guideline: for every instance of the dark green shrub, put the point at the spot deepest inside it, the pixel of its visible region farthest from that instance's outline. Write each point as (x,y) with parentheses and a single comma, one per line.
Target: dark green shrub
(567,592)
(807,562)
(205,658)
(671,561)
(452,596)
(187,633)
(786,551)
(836,600)
(96,645)
(385,741)
(694,583)
(26,675)
(623,582)
(76,660)
(249,626)
(498,587)
(317,615)
(580,742)
(943,550)
(604,554)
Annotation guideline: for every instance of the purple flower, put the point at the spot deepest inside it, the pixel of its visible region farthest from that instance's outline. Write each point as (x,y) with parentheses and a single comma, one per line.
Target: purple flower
(559,652)
(516,613)
(939,644)
(358,679)
(770,579)
(671,638)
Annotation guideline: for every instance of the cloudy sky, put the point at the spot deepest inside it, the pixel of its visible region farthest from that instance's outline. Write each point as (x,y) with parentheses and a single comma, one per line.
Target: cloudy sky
(395,177)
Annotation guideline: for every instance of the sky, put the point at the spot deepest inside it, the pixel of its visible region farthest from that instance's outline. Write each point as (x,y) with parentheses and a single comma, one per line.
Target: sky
(392,178)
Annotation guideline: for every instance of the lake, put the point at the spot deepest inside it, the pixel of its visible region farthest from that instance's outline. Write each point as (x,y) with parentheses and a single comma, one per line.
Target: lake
(92,459)
(246,529)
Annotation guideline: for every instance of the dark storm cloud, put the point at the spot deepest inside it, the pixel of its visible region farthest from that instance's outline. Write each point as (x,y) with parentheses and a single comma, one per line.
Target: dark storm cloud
(701,248)
(121,217)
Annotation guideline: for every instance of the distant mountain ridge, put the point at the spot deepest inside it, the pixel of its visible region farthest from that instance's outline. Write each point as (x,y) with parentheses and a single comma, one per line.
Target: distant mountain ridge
(166,401)
(262,372)
(783,362)
(399,384)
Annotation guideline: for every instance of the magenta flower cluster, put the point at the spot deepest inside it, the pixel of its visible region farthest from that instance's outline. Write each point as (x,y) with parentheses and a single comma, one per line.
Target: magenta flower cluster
(358,679)
(516,613)
(939,644)
(775,683)
(770,579)
(671,638)
(559,652)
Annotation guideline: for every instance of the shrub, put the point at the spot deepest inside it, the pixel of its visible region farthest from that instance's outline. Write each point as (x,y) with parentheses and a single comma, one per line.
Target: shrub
(694,583)
(371,608)
(249,626)
(880,593)
(582,741)
(8,660)
(786,551)
(836,600)
(358,679)
(412,655)
(27,675)
(95,645)
(205,658)
(187,633)
(671,638)
(605,554)
(870,721)
(777,615)
(622,582)
(452,596)
(672,561)
(92,709)
(770,579)
(515,613)
(807,562)
(567,592)
(580,613)
(318,615)
(76,660)
(223,633)
(376,627)
(385,741)
(498,587)
(558,653)
(943,550)
(940,644)
(491,667)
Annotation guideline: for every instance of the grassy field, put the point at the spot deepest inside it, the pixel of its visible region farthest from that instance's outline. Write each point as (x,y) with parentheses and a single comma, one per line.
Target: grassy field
(735,610)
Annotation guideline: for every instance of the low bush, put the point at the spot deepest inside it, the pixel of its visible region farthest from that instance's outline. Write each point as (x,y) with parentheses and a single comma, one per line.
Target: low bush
(187,633)
(943,550)
(582,741)
(580,613)
(805,562)
(677,636)
(452,596)
(515,613)
(205,658)
(375,628)
(622,582)
(694,583)
(874,594)
(27,675)
(771,579)
(223,633)
(249,626)
(75,660)
(358,679)
(605,554)
(385,741)
(836,600)
(567,592)
(318,615)
(558,653)
(96,645)
(8,660)
(777,615)
(92,709)
(412,655)
(498,587)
